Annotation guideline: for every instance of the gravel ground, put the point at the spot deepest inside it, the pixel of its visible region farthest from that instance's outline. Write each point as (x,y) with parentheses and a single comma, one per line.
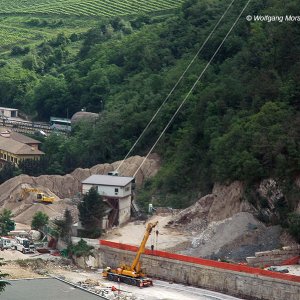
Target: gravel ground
(46,265)
(257,240)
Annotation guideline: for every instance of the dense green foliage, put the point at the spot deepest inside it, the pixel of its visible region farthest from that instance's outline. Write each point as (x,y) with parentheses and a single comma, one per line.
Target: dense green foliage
(64,226)
(91,212)
(241,121)
(39,221)
(6,222)
(80,249)
(294,225)
(3,283)
(8,171)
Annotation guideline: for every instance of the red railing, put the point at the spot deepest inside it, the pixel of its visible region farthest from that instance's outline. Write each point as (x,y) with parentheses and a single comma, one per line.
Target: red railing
(204,262)
(291,261)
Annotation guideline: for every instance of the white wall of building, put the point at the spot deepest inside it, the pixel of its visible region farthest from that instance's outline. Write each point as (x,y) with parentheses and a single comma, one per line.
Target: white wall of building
(124,209)
(8,112)
(122,193)
(86,188)
(111,191)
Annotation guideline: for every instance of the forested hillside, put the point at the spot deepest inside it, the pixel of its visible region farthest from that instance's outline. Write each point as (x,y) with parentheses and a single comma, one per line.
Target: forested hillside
(241,122)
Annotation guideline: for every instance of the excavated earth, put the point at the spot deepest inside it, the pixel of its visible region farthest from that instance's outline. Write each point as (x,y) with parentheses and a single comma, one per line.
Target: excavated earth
(220,225)
(65,189)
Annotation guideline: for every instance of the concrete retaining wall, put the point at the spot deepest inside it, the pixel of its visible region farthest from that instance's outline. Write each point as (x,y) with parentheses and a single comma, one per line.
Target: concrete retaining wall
(243,285)
(274,257)
(237,280)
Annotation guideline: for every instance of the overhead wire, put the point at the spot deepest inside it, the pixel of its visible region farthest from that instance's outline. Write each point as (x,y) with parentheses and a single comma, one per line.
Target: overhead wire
(193,87)
(176,84)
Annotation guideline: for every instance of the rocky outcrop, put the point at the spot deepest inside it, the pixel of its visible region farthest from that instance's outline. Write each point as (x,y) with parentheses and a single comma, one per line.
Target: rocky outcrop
(222,203)
(227,201)
(83,116)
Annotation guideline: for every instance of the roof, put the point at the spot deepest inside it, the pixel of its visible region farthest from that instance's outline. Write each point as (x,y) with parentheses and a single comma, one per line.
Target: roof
(23,138)
(108,180)
(15,147)
(46,289)
(7,108)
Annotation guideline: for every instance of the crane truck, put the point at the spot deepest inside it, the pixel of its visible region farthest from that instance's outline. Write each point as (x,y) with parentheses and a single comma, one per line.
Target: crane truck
(132,274)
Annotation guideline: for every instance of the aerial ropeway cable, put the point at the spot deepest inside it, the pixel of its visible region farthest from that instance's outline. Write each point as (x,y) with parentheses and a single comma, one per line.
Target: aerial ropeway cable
(175,86)
(193,87)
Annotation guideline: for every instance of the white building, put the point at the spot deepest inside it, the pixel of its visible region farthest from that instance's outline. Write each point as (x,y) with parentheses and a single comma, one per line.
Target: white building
(8,112)
(116,192)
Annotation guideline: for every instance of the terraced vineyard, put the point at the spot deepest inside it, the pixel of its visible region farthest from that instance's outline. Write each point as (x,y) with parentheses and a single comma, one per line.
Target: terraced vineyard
(10,35)
(106,8)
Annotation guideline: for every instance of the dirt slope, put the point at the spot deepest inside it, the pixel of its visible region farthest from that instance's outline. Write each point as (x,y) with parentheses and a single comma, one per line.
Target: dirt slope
(222,225)
(64,188)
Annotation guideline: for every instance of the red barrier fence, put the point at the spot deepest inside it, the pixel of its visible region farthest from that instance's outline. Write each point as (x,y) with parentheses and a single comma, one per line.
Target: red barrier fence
(291,261)
(204,262)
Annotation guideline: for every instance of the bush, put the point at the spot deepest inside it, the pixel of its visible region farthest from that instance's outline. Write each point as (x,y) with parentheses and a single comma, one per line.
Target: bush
(80,249)
(294,225)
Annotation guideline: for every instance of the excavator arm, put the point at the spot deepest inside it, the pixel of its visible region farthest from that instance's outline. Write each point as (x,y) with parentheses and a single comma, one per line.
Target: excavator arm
(41,197)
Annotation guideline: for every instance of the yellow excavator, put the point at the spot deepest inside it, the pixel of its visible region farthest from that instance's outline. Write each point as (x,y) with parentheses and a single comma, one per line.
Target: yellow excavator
(132,274)
(40,197)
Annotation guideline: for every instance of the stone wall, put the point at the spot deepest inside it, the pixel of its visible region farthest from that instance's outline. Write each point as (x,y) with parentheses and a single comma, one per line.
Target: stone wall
(239,284)
(274,257)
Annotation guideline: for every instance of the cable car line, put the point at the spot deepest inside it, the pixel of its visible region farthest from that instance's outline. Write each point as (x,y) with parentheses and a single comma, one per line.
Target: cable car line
(193,87)
(176,84)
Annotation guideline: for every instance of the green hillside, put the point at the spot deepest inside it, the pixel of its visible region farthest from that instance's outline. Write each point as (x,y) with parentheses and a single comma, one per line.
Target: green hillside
(102,8)
(240,123)
(27,22)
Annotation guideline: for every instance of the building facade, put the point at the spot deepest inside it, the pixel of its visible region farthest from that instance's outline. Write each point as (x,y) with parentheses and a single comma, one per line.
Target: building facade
(8,112)
(117,194)
(15,147)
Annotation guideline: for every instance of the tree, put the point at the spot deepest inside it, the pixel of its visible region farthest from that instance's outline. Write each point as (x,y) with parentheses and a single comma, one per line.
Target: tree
(3,283)
(91,212)
(64,226)
(33,167)
(39,220)
(17,50)
(6,222)
(80,249)
(8,171)
(49,97)
(294,225)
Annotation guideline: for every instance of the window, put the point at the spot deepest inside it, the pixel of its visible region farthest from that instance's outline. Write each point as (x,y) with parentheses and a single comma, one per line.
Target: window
(116,191)
(127,189)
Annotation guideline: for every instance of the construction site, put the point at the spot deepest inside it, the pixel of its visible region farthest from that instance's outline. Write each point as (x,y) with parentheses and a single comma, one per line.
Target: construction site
(215,244)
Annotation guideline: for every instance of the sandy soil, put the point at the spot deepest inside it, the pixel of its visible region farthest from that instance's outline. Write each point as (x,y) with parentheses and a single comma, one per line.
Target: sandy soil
(162,238)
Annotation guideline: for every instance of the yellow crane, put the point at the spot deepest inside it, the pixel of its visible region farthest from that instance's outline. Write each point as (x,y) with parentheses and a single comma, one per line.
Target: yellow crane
(132,274)
(40,196)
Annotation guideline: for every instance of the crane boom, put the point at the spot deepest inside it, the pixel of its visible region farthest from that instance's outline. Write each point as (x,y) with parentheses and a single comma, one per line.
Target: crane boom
(132,274)
(135,266)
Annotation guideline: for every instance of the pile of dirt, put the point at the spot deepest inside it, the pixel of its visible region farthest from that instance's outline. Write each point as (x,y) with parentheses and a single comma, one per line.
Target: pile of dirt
(65,188)
(234,238)
(223,226)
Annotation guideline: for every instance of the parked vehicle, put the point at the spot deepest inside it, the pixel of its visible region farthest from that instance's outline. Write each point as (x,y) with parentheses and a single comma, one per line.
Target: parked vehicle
(132,274)
(23,244)
(5,243)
